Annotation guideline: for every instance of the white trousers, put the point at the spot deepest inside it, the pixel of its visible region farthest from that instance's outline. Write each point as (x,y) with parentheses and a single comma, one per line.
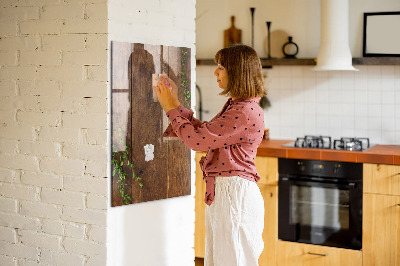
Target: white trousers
(234,223)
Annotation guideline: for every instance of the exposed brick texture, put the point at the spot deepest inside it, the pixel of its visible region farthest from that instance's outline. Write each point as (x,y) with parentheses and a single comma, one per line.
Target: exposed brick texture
(53,124)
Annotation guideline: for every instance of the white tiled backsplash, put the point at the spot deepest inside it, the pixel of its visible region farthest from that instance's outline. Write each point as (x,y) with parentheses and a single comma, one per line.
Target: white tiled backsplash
(337,104)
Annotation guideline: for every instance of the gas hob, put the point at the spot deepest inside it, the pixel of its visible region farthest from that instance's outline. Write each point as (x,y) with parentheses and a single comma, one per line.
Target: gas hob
(325,142)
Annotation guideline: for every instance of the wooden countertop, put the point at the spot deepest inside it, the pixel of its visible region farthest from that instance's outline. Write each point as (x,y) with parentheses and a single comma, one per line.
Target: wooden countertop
(379,154)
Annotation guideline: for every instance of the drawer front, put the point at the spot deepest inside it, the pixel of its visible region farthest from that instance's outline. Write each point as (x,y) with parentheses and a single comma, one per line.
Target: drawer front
(381,179)
(293,254)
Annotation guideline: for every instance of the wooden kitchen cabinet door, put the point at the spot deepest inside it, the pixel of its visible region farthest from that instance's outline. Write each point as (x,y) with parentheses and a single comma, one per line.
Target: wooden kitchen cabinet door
(298,254)
(200,207)
(381,230)
(267,168)
(138,122)
(270,233)
(381,179)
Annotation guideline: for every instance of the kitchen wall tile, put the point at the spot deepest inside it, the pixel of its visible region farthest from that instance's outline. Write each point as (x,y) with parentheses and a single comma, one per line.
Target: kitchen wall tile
(361,125)
(374,97)
(361,110)
(387,72)
(374,123)
(374,84)
(360,83)
(374,70)
(325,131)
(375,136)
(323,102)
(335,95)
(360,133)
(347,109)
(284,83)
(388,97)
(334,76)
(348,95)
(397,110)
(286,120)
(374,110)
(397,72)
(322,83)
(389,136)
(322,95)
(310,95)
(397,133)
(297,72)
(297,83)
(388,124)
(348,132)
(347,122)
(361,97)
(334,109)
(322,74)
(322,109)
(322,121)
(308,72)
(285,132)
(335,122)
(397,123)
(388,84)
(310,108)
(388,110)
(285,72)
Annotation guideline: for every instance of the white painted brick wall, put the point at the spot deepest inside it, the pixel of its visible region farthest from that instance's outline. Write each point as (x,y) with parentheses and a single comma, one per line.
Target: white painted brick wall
(53,109)
(75,230)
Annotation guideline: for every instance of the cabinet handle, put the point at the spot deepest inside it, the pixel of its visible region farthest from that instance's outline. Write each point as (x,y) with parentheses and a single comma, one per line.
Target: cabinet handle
(318,254)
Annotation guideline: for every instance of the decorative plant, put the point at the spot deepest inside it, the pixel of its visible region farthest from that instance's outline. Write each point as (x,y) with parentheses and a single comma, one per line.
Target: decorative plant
(118,160)
(185,81)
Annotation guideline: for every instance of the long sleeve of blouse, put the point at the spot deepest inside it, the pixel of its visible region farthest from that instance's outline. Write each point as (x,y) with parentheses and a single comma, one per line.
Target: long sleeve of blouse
(224,130)
(188,114)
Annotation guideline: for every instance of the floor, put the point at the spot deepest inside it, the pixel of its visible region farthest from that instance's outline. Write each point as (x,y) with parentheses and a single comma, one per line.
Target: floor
(199,262)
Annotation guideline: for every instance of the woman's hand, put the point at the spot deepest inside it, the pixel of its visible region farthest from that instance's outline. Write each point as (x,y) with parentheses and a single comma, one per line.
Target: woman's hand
(174,89)
(164,95)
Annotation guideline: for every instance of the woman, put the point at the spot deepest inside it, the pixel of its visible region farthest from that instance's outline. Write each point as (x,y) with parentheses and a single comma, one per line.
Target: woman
(235,207)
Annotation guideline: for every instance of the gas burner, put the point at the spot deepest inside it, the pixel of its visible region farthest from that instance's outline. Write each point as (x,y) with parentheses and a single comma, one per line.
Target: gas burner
(321,142)
(324,142)
(351,144)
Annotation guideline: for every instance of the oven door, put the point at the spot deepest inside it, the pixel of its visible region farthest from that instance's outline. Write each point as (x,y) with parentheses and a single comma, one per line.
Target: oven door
(321,212)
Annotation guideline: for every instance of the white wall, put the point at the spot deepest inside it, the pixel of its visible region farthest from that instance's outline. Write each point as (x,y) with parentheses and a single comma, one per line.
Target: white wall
(158,232)
(338,104)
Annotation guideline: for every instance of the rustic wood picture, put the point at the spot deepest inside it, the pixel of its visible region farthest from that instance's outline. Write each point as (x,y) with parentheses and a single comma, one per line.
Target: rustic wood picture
(146,166)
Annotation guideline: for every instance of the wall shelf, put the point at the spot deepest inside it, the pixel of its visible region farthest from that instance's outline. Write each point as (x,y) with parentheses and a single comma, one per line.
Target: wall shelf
(312,61)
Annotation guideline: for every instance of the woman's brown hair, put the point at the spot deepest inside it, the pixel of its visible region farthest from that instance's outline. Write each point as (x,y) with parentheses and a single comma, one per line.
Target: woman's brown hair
(245,78)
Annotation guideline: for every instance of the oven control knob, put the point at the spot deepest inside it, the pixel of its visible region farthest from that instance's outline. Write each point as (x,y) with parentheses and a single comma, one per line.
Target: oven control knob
(336,169)
(302,167)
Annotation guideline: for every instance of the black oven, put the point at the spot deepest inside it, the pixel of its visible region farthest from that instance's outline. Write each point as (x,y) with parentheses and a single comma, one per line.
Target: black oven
(320,202)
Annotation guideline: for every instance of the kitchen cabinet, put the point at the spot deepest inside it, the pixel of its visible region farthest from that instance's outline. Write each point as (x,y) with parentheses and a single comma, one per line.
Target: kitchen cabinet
(298,254)
(200,207)
(381,179)
(267,167)
(381,230)
(381,215)
(270,233)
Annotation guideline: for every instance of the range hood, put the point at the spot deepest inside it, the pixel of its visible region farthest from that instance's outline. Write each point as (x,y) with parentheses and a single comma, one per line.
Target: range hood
(334,51)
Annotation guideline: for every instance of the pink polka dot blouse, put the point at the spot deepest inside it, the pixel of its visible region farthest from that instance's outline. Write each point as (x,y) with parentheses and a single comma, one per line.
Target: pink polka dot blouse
(231,139)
